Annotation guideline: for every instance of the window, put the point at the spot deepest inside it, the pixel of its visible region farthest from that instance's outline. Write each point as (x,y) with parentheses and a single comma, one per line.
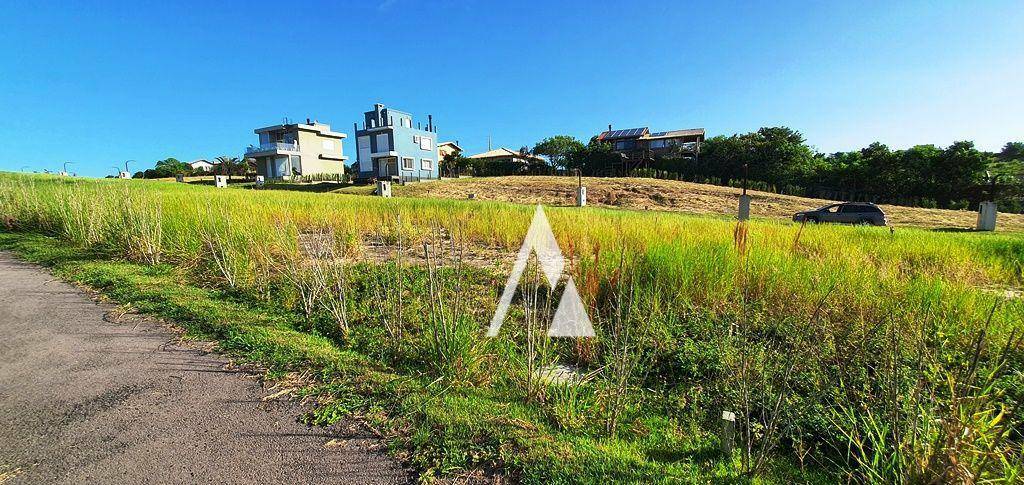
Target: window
(625,145)
(328,145)
(426,164)
(407,163)
(406,122)
(425,143)
(416,139)
(365,164)
(383,143)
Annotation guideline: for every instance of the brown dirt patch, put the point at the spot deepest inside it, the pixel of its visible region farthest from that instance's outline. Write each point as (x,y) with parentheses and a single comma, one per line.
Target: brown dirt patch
(671,195)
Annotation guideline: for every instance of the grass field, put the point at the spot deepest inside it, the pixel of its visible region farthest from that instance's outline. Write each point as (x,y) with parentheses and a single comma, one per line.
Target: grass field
(671,195)
(846,352)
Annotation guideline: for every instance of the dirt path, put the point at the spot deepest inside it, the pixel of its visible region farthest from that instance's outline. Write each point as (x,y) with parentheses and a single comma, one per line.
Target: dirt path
(84,400)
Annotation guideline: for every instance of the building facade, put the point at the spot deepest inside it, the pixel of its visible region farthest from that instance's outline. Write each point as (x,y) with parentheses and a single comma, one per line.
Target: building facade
(640,143)
(391,146)
(291,149)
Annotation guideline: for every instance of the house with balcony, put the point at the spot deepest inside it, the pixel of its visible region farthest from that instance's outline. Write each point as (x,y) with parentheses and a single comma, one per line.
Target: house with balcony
(390,145)
(291,149)
(638,144)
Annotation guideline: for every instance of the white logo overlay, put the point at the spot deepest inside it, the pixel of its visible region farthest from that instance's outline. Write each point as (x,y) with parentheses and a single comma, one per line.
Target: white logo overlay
(571,318)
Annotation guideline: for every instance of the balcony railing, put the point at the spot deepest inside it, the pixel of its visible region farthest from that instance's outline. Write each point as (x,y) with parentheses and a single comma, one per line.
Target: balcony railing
(266,147)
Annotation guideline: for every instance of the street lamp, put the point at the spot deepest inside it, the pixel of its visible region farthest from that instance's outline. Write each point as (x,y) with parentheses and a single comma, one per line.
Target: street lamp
(66,167)
(117,170)
(126,164)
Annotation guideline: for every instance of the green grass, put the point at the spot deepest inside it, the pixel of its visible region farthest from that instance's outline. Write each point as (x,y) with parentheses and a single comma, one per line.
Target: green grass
(832,343)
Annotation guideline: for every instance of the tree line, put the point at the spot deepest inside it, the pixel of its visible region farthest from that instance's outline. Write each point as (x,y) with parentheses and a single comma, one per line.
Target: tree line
(778,159)
(171,167)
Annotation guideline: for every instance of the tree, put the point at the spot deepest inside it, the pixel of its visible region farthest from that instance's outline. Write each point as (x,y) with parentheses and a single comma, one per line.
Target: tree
(558,149)
(228,165)
(960,167)
(166,168)
(1013,150)
(454,164)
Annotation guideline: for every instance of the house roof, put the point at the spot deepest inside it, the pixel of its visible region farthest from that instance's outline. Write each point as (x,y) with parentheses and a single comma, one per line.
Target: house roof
(321,128)
(200,161)
(503,153)
(628,133)
(677,133)
(452,143)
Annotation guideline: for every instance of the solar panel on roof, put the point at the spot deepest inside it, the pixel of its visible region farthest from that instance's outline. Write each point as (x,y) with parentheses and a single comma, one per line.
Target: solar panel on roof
(625,133)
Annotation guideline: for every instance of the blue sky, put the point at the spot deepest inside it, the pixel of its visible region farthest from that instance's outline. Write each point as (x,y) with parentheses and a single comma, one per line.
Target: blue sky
(98,83)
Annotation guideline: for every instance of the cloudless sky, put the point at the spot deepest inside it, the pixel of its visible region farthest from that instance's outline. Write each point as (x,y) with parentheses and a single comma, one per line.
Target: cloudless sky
(96,83)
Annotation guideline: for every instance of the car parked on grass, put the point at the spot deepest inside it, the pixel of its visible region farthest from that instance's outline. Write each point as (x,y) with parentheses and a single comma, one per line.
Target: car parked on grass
(845,213)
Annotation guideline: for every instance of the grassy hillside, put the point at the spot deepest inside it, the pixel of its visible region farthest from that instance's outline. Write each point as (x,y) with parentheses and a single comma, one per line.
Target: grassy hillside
(671,195)
(846,352)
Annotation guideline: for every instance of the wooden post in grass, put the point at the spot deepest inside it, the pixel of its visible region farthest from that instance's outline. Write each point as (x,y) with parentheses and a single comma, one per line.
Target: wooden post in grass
(744,212)
(728,435)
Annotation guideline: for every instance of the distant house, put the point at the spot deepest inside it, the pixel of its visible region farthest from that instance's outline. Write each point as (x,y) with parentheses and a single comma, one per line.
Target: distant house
(391,146)
(505,155)
(297,149)
(446,148)
(640,143)
(201,165)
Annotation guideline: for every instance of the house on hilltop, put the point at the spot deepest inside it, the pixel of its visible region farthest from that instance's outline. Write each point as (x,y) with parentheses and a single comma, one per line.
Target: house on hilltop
(504,155)
(202,165)
(637,145)
(391,146)
(297,149)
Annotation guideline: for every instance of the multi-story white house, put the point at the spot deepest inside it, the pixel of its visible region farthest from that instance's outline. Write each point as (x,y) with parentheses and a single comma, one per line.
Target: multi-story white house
(298,149)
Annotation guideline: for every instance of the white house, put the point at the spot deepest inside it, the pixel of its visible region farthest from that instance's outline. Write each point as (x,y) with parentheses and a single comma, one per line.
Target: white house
(202,165)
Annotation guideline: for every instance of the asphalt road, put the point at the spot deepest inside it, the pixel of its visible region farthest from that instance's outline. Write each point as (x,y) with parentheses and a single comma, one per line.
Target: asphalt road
(87,400)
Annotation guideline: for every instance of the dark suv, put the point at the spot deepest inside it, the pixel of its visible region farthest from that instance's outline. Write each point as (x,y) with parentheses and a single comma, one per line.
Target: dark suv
(847,213)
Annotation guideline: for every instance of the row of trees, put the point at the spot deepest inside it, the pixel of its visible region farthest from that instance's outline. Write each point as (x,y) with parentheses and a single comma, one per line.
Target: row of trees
(778,159)
(170,167)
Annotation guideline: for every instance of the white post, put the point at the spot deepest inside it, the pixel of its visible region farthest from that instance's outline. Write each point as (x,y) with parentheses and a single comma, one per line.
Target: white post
(728,431)
(987,216)
(744,212)
(383,188)
(260,181)
(221,181)
(581,196)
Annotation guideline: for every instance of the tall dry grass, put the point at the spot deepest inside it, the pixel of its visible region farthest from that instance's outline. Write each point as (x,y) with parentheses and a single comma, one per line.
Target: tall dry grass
(836,345)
